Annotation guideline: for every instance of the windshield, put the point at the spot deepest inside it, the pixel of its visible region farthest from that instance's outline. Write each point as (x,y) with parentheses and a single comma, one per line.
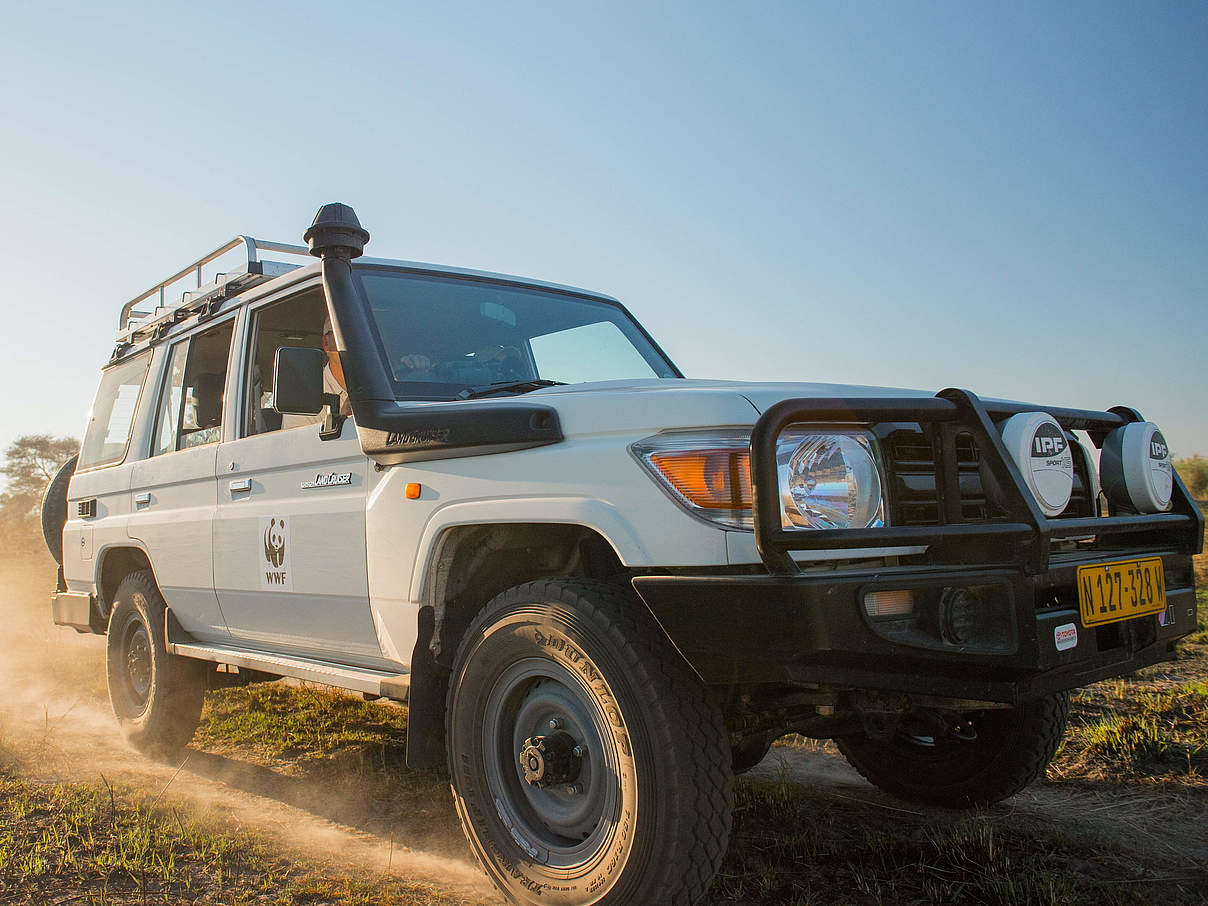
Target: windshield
(442,335)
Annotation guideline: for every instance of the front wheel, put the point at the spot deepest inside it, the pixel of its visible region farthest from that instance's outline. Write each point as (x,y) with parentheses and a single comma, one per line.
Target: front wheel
(998,753)
(587,765)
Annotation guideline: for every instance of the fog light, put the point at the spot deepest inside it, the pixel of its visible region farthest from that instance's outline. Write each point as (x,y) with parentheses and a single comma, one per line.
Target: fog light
(1041,450)
(959,618)
(976,618)
(1135,468)
(895,603)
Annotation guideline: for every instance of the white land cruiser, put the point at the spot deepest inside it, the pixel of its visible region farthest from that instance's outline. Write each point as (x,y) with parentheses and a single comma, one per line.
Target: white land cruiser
(601,588)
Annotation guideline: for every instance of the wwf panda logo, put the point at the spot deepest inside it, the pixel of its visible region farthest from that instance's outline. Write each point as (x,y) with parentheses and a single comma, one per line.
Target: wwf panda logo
(274,542)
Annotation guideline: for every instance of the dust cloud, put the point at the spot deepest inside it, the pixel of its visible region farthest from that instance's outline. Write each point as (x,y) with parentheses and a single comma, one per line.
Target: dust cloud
(55,725)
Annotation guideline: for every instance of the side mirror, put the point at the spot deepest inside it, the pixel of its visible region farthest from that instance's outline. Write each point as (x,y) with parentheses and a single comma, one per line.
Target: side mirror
(298,380)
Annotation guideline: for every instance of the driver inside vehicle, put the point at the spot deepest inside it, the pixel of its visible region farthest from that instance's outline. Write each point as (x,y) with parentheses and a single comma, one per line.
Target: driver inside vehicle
(333,371)
(494,363)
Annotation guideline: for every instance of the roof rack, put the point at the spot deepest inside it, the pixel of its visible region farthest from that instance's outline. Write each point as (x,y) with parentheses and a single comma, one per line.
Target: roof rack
(254,270)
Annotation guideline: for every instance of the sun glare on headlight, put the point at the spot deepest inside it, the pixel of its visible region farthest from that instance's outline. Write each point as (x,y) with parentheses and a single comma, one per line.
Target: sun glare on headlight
(829,479)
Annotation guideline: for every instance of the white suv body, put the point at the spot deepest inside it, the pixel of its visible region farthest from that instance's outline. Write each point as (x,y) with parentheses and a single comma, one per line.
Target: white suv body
(570,582)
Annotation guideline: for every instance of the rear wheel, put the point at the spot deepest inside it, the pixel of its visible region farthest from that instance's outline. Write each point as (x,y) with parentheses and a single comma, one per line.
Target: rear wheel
(996,754)
(587,765)
(156,696)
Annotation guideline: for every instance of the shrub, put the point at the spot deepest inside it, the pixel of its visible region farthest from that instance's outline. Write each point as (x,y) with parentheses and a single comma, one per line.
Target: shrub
(1194,472)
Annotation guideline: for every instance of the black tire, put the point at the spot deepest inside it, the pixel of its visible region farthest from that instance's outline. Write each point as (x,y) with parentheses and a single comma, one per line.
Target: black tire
(650,819)
(750,752)
(54,509)
(156,696)
(1012,749)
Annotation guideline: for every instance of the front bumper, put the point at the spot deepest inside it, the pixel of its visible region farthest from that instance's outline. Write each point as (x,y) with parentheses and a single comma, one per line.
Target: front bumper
(812,629)
(791,626)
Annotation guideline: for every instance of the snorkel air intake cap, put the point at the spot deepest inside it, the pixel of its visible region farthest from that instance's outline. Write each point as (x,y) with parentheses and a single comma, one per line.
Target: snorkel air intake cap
(1041,451)
(336,231)
(1135,468)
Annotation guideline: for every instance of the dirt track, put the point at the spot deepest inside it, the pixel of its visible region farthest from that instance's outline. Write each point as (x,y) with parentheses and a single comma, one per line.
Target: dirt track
(1171,827)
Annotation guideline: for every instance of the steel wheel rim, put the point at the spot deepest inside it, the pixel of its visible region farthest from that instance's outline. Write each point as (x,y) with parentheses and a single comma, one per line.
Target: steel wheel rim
(137,665)
(557,827)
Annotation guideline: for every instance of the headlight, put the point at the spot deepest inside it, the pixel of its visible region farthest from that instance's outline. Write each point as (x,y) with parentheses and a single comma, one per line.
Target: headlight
(829,479)
(708,473)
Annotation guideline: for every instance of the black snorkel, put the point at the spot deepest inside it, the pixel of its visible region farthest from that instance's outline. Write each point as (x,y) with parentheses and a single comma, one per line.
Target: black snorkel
(390,432)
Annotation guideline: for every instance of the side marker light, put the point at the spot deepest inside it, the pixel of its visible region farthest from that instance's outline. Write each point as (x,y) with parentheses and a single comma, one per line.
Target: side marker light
(895,603)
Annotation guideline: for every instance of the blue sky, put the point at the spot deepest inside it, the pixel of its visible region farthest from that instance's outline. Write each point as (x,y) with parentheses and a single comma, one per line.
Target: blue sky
(1007,197)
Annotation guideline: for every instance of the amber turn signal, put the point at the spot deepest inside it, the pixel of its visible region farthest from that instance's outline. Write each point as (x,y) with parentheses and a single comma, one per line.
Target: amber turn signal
(710,479)
(412,491)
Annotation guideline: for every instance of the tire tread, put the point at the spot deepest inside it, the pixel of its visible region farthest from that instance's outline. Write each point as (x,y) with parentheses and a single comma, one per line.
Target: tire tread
(702,824)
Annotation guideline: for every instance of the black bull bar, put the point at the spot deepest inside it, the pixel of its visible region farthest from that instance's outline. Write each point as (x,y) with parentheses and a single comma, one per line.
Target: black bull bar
(1023,538)
(808,626)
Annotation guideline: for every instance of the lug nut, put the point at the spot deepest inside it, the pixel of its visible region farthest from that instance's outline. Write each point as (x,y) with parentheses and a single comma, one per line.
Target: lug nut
(574,789)
(555,723)
(579,751)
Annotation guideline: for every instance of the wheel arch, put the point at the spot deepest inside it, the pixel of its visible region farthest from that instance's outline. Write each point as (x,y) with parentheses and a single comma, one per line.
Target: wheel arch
(602,519)
(468,565)
(114,563)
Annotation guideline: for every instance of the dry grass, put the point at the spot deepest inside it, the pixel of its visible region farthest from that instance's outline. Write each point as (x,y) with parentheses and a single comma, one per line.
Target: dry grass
(1151,728)
(104,843)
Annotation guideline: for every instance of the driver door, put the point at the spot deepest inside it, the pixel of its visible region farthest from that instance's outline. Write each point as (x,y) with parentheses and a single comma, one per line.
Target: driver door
(289,537)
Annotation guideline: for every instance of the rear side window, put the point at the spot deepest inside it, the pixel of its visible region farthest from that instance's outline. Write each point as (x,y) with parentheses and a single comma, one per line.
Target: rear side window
(190,404)
(109,423)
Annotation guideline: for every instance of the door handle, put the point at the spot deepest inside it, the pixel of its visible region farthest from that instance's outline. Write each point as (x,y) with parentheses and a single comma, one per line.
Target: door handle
(143,499)
(242,484)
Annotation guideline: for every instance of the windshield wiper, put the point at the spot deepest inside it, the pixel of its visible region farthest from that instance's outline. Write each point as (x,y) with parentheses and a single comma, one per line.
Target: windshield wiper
(507,387)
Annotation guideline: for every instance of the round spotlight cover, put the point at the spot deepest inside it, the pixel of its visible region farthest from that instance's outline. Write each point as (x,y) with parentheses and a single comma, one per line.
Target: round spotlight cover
(1135,468)
(1041,451)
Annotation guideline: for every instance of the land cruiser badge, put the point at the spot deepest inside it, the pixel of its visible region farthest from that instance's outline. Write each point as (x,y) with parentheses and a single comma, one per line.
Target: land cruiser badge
(330,480)
(276,572)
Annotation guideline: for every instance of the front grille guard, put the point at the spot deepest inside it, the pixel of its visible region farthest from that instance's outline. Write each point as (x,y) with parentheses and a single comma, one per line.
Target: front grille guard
(1023,537)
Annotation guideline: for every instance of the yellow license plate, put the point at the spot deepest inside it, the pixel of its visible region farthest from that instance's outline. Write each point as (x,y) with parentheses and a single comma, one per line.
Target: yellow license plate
(1121,590)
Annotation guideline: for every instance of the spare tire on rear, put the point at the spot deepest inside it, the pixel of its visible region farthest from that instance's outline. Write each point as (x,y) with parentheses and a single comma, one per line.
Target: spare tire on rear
(54,509)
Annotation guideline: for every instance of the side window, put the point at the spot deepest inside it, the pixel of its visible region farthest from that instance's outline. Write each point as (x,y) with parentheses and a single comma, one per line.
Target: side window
(190,405)
(109,423)
(297,321)
(167,423)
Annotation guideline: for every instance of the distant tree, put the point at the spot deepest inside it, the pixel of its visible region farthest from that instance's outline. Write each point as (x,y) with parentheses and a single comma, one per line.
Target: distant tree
(1194,472)
(30,462)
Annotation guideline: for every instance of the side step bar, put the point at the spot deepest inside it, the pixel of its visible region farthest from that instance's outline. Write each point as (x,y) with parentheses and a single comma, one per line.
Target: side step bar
(379,683)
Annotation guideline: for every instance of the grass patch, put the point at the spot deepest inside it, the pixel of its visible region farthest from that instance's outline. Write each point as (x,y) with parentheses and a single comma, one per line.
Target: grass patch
(313,729)
(73,842)
(1137,730)
(793,846)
